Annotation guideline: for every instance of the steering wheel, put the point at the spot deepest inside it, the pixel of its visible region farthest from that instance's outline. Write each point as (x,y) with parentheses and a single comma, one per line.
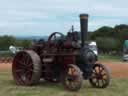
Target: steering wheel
(55,36)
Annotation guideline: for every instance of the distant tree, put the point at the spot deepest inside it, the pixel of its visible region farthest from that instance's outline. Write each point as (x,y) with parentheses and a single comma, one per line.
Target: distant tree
(107,45)
(6,41)
(26,43)
(103,32)
(120,27)
(119,33)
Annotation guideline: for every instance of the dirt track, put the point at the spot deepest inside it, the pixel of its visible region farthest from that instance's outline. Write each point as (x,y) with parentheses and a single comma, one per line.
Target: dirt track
(5,66)
(117,69)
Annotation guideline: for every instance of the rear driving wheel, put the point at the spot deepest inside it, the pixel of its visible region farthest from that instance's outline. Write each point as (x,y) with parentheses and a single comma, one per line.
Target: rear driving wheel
(26,68)
(100,76)
(73,78)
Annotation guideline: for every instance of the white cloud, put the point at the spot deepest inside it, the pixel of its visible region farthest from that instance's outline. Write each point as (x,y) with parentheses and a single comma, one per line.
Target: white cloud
(34,17)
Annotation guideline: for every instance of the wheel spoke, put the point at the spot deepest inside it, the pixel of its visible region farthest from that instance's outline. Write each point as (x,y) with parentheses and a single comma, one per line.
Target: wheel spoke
(23,60)
(101,84)
(30,64)
(19,62)
(67,82)
(73,84)
(93,77)
(101,69)
(18,70)
(103,81)
(27,59)
(98,82)
(97,70)
(73,78)
(28,75)
(23,78)
(76,82)
(21,66)
(31,69)
(100,76)
(104,74)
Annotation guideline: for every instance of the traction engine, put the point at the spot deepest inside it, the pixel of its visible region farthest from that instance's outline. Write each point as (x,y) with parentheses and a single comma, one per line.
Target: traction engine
(62,58)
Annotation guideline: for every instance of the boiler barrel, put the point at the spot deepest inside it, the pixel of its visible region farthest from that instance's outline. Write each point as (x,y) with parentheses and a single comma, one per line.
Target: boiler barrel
(84,28)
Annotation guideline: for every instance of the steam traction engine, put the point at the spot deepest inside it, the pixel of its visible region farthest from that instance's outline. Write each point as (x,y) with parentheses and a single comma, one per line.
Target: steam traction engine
(63,59)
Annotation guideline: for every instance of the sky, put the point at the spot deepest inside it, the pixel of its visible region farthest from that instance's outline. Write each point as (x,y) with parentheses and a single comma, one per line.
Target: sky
(42,17)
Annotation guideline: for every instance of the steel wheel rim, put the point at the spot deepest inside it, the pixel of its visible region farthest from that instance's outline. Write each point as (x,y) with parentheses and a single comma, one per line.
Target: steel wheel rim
(99,76)
(73,73)
(23,68)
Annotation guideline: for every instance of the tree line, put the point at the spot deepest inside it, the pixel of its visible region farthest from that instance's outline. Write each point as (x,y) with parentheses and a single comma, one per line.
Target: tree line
(110,39)
(6,41)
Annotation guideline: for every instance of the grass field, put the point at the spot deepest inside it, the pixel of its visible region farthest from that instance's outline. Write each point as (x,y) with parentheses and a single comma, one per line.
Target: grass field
(107,57)
(118,87)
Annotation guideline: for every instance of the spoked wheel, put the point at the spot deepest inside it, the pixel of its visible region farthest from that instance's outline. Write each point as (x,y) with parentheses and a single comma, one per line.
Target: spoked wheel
(100,77)
(73,78)
(26,68)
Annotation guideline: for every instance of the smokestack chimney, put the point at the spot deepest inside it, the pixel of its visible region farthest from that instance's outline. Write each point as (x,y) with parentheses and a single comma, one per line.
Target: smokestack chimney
(84,28)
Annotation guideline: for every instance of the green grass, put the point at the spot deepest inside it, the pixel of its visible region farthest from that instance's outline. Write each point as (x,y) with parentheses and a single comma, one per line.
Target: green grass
(118,87)
(107,57)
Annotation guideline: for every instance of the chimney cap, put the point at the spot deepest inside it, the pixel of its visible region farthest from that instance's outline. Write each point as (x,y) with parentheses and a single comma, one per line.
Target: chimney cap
(84,16)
